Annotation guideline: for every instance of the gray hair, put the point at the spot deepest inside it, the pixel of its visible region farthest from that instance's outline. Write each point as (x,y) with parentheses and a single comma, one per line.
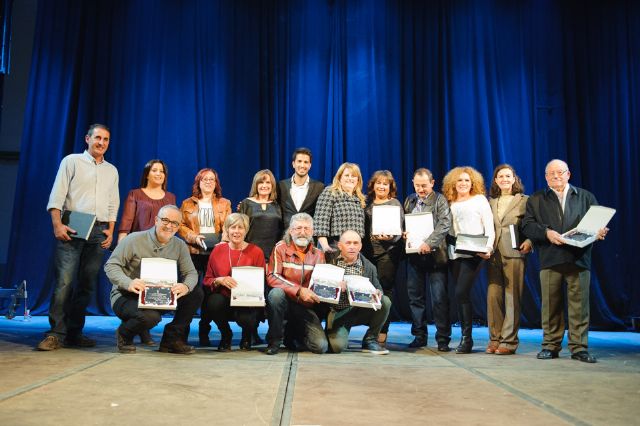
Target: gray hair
(556,160)
(168,207)
(298,217)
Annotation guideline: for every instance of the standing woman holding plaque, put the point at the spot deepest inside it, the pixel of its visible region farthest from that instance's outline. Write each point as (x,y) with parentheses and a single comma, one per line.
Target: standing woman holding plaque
(203,215)
(142,207)
(383,250)
(218,282)
(340,208)
(471,215)
(506,266)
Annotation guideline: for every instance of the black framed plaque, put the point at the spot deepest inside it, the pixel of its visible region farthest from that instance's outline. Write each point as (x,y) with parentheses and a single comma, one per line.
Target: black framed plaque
(157,296)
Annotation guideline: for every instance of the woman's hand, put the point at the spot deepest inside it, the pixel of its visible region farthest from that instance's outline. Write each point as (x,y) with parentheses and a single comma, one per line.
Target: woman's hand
(227,282)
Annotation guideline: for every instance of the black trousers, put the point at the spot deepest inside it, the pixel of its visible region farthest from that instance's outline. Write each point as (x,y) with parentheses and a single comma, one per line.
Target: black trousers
(217,307)
(135,320)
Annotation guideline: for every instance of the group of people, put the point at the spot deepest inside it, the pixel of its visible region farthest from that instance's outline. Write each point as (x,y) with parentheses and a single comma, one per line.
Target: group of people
(288,227)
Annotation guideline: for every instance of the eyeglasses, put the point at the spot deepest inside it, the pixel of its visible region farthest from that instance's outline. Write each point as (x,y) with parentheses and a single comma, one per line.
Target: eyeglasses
(208,180)
(302,228)
(557,173)
(168,222)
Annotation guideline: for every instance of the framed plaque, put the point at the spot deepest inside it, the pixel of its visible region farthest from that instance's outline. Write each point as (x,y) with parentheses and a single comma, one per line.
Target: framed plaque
(250,289)
(325,282)
(157,296)
(159,275)
(362,293)
(419,227)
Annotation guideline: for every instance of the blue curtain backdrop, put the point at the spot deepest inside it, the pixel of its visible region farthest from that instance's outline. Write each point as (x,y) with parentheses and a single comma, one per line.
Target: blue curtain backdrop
(237,85)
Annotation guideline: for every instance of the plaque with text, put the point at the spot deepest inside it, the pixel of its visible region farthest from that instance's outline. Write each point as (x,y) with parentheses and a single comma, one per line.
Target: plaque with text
(159,275)
(157,296)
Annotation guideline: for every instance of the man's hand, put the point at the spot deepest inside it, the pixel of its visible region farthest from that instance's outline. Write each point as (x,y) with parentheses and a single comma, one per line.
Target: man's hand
(180,290)
(136,286)
(485,256)
(107,242)
(554,237)
(61,232)
(308,296)
(383,237)
(425,248)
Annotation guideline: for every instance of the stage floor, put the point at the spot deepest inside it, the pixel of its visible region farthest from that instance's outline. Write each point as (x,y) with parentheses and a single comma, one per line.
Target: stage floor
(407,387)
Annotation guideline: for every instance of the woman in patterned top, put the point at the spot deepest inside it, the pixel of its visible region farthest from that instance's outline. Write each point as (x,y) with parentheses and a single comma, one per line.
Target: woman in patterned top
(340,207)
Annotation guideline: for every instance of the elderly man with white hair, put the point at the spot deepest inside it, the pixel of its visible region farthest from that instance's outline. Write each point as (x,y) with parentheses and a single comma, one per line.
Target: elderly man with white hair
(550,213)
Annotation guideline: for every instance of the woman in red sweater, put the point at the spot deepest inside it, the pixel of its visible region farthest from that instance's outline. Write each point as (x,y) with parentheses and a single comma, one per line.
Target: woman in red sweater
(224,257)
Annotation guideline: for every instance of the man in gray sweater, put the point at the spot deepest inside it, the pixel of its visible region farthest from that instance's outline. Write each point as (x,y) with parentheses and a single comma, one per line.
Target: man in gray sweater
(123,270)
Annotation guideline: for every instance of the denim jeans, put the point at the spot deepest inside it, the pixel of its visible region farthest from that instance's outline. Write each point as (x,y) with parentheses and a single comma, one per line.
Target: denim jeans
(418,274)
(76,261)
(340,322)
(305,321)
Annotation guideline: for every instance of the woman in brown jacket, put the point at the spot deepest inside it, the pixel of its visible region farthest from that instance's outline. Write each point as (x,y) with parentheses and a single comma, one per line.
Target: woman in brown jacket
(203,215)
(506,266)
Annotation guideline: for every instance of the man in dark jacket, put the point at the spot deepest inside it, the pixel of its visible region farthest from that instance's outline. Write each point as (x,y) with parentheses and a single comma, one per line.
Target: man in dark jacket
(550,213)
(429,265)
(343,316)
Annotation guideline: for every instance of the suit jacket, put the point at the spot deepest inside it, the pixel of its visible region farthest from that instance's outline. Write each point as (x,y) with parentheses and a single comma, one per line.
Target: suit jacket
(544,212)
(512,216)
(287,205)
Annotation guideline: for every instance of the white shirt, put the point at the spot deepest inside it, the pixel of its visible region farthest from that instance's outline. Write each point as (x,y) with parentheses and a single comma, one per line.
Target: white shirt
(83,185)
(299,192)
(206,219)
(473,217)
(562,196)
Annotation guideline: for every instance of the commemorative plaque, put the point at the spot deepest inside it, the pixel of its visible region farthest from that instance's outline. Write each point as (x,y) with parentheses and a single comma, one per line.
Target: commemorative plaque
(159,275)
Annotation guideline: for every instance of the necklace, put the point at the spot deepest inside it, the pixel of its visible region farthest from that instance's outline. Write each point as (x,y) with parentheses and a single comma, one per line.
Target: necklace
(239,257)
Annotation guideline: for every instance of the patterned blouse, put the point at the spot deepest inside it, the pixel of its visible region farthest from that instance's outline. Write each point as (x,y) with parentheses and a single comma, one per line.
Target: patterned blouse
(337,212)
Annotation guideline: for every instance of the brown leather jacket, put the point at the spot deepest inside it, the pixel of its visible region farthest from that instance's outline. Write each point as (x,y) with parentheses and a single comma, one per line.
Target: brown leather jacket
(289,270)
(190,227)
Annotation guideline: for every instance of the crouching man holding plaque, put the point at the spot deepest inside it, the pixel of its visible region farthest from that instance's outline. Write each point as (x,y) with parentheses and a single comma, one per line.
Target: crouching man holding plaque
(343,316)
(123,270)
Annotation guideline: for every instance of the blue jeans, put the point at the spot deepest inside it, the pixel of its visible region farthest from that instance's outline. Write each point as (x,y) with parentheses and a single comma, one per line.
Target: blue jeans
(305,321)
(77,261)
(420,272)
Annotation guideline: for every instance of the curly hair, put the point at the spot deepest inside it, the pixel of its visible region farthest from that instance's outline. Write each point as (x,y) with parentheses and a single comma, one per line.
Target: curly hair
(355,169)
(384,175)
(517,188)
(449,182)
(195,189)
(258,178)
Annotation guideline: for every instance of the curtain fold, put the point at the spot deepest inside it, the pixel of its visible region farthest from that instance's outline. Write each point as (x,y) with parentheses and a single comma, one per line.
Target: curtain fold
(390,85)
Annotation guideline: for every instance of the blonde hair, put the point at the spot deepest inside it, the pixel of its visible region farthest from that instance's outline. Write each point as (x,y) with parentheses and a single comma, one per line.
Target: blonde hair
(258,178)
(235,218)
(335,186)
(449,182)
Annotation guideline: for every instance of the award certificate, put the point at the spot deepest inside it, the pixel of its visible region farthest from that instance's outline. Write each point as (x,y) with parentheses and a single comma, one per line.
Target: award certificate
(419,227)
(250,288)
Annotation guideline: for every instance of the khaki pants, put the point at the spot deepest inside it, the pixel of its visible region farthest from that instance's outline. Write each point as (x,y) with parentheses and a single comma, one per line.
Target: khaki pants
(553,322)
(504,293)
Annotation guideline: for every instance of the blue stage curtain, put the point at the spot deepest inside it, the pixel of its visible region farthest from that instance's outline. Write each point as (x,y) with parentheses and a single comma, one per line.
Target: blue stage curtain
(6,7)
(387,84)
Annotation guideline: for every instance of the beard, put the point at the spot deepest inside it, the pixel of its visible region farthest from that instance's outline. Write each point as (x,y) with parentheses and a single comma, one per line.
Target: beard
(302,241)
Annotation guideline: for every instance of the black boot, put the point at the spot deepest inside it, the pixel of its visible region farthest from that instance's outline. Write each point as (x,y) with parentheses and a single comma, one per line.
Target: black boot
(204,327)
(465,315)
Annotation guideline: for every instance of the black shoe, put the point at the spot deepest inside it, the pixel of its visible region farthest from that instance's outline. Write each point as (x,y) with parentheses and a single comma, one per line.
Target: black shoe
(465,346)
(125,346)
(273,349)
(245,341)
(177,347)
(256,339)
(79,342)
(225,342)
(443,347)
(373,347)
(418,342)
(547,354)
(584,356)
(146,339)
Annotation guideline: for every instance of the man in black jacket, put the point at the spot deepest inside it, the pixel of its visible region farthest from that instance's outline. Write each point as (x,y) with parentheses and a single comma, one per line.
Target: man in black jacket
(550,213)
(299,193)
(430,264)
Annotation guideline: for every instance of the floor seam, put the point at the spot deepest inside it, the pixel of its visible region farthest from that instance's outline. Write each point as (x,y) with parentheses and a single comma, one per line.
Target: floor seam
(522,395)
(284,398)
(51,379)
